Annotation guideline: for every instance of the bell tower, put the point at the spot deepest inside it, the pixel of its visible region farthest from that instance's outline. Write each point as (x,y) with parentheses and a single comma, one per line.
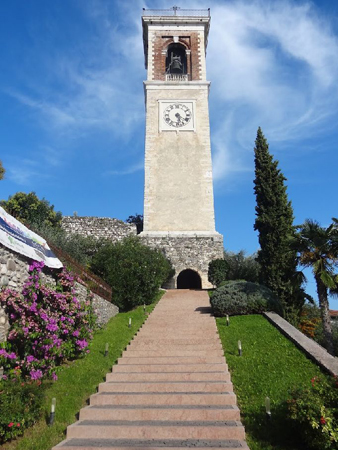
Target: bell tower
(178,199)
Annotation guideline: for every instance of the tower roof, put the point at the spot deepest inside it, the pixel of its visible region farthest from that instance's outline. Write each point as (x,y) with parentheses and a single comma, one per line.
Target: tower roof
(174,16)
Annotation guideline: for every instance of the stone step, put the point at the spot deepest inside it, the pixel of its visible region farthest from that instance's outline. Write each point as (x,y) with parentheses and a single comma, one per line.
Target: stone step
(171,376)
(172,352)
(184,413)
(169,368)
(155,430)
(165,386)
(171,343)
(153,444)
(159,398)
(172,360)
(175,341)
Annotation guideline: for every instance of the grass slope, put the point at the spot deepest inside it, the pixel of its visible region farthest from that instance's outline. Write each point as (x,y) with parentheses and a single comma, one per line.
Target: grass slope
(271,366)
(78,380)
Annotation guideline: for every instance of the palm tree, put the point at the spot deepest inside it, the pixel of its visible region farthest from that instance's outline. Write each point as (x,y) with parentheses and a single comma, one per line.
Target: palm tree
(318,248)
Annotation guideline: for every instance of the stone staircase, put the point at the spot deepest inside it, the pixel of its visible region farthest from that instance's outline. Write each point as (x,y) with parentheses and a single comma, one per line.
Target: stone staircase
(170,389)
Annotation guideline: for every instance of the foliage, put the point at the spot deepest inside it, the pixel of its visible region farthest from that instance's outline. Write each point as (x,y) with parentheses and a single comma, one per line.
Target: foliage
(32,211)
(217,271)
(138,221)
(2,171)
(88,373)
(242,267)
(314,411)
(135,272)
(21,405)
(274,223)
(270,365)
(47,325)
(242,297)
(317,248)
(81,248)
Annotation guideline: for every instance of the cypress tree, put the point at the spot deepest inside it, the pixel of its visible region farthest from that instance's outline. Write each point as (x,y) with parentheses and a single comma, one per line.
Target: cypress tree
(274,223)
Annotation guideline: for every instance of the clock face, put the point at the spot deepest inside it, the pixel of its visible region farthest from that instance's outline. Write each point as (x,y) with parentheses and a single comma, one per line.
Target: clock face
(177,115)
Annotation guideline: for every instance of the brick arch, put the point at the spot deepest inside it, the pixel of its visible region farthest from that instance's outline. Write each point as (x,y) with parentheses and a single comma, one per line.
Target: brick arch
(171,41)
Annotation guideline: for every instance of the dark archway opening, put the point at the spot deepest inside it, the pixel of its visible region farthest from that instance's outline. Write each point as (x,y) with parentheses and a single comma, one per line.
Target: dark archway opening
(176,61)
(189,279)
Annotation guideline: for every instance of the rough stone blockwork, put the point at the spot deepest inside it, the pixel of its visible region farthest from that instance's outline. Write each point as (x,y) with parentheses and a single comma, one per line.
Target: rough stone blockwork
(188,252)
(13,274)
(98,227)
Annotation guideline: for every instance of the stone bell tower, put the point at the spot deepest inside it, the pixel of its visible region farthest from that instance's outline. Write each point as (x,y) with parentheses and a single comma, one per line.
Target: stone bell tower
(178,199)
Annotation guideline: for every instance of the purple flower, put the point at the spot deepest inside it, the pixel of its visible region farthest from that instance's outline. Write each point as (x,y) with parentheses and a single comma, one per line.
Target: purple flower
(82,343)
(54,376)
(35,374)
(30,358)
(12,355)
(76,333)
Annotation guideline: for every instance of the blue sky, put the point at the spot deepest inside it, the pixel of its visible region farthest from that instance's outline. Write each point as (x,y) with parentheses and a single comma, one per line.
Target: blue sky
(72,105)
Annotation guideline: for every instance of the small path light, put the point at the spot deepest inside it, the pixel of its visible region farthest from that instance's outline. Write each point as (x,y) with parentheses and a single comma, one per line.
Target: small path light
(267,408)
(239,348)
(52,411)
(129,322)
(228,320)
(106,349)
(144,308)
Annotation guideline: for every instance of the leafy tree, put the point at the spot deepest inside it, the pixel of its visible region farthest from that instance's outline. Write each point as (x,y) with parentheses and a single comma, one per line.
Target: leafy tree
(318,248)
(217,271)
(32,211)
(274,223)
(2,171)
(242,267)
(134,271)
(138,221)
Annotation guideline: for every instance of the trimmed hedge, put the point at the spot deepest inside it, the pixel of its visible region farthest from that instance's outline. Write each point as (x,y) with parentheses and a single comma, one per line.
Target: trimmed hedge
(242,297)
(134,271)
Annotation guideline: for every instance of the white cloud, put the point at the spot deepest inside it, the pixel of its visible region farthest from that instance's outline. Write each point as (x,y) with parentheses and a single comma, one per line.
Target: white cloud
(127,171)
(271,64)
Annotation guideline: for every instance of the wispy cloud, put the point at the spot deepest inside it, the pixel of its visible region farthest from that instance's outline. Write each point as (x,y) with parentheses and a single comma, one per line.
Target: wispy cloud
(127,171)
(271,64)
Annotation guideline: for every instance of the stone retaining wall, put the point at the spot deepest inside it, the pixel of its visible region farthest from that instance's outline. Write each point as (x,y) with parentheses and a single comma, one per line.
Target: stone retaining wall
(307,345)
(188,252)
(98,227)
(14,272)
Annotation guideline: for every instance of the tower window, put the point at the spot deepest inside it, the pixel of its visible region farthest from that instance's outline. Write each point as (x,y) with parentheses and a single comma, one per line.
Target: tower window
(176,61)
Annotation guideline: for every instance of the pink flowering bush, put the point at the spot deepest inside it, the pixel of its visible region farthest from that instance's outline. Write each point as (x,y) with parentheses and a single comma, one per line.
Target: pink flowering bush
(47,325)
(314,411)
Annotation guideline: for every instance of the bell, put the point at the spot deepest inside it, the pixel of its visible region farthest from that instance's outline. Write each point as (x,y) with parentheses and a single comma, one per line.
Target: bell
(176,65)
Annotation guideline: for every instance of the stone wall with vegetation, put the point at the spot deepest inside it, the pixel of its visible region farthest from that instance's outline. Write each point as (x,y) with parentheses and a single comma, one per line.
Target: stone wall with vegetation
(188,252)
(14,272)
(99,227)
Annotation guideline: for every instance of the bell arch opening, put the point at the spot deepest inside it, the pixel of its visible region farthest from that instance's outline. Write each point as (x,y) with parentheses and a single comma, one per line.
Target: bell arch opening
(189,279)
(176,60)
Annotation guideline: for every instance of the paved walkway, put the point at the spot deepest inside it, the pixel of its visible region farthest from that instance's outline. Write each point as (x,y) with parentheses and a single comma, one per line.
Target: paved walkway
(170,389)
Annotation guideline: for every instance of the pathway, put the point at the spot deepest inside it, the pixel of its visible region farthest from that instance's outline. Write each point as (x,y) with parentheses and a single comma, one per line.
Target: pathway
(171,387)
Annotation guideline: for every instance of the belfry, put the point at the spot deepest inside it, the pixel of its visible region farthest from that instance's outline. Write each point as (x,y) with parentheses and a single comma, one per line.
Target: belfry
(178,198)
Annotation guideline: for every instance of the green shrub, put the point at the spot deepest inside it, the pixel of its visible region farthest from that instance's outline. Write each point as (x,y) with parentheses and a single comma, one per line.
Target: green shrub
(135,272)
(217,271)
(20,405)
(314,412)
(242,297)
(242,267)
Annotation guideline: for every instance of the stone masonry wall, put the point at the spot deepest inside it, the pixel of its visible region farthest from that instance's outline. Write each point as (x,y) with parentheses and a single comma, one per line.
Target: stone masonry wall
(13,274)
(98,227)
(188,252)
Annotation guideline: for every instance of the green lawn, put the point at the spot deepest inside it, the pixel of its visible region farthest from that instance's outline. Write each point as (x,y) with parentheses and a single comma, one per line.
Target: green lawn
(271,366)
(78,380)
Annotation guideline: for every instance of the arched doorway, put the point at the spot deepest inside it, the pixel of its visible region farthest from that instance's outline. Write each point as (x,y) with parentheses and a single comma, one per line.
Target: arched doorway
(189,279)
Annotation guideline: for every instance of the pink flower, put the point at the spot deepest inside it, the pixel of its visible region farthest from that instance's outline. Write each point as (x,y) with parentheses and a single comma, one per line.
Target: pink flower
(10,424)
(322,421)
